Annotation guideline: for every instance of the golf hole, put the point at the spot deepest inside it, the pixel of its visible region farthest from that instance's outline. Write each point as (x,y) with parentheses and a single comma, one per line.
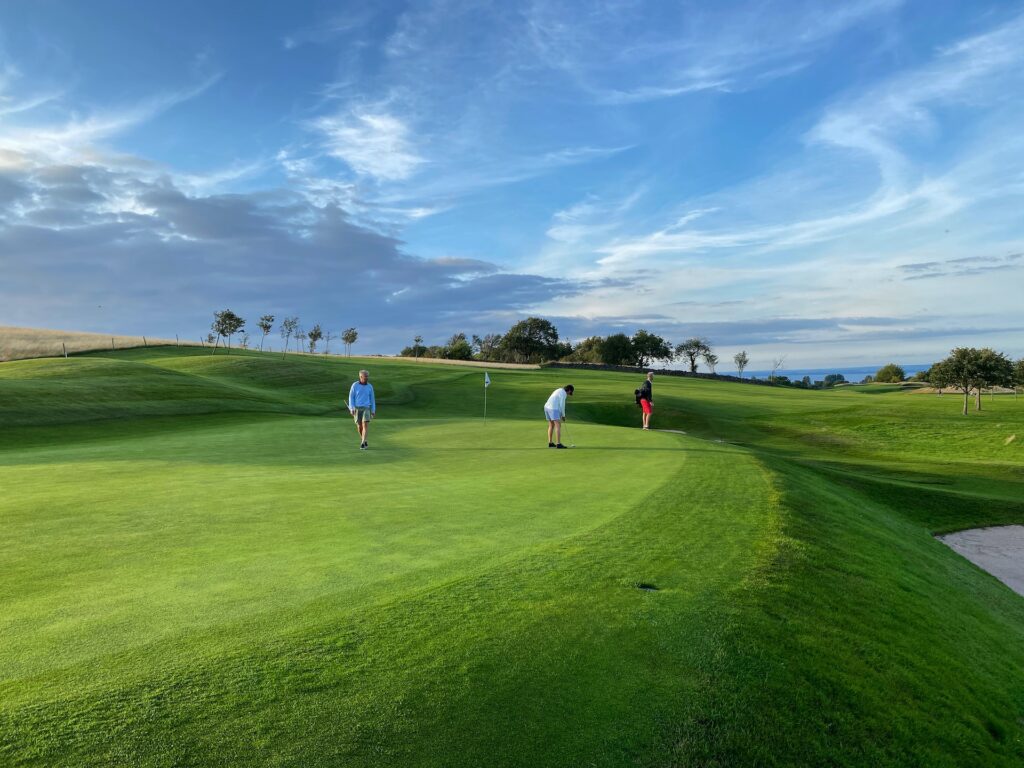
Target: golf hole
(646,587)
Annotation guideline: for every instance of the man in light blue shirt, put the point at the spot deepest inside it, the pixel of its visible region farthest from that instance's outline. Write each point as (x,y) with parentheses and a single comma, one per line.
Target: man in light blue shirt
(363,406)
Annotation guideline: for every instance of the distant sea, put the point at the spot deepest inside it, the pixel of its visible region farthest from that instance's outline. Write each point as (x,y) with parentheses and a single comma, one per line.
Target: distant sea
(855,374)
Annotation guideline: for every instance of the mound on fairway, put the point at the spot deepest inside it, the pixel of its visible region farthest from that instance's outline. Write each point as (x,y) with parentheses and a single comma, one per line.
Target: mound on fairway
(201,568)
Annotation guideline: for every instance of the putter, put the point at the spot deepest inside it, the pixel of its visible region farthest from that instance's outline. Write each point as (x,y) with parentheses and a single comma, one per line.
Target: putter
(565,432)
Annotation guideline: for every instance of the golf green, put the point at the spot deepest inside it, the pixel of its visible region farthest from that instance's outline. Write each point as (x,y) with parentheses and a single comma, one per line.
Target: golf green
(199,567)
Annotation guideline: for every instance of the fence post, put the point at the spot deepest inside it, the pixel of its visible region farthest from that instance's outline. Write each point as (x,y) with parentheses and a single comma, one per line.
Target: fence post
(111,342)
(64,347)
(176,341)
(144,342)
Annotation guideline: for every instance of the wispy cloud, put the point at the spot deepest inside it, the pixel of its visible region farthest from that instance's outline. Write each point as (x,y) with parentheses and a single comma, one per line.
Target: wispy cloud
(591,218)
(217,179)
(969,265)
(76,135)
(687,50)
(12,103)
(11,106)
(880,125)
(872,122)
(613,96)
(327,30)
(372,143)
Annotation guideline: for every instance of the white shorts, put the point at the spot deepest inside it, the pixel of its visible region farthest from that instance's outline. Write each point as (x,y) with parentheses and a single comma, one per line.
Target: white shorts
(552,414)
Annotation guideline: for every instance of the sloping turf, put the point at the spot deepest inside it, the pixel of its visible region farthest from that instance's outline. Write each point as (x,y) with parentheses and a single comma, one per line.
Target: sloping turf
(200,568)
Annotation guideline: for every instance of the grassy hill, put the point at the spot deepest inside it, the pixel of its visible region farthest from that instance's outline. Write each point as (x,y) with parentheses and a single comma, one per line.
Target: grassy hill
(200,568)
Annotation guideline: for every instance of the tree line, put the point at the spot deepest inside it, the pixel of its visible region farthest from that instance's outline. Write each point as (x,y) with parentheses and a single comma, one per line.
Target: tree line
(536,340)
(226,325)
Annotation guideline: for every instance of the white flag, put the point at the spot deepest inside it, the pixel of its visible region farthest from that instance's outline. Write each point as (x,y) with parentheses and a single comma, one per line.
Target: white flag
(487,380)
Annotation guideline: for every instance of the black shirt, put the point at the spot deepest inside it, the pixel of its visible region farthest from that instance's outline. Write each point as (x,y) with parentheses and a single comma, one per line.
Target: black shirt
(645,391)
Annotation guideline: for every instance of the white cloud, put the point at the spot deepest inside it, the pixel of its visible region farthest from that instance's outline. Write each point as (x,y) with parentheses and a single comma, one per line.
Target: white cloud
(372,143)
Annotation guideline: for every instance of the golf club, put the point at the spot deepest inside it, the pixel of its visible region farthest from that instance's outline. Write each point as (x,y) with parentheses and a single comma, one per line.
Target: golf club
(565,432)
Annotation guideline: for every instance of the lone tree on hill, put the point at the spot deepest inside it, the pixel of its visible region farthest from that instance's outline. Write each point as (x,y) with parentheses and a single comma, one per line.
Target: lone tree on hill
(968,369)
(226,324)
(890,374)
(649,347)
(710,360)
(617,349)
(266,325)
(315,334)
(692,350)
(741,360)
(532,340)
(289,326)
(417,346)
(777,363)
(328,338)
(349,337)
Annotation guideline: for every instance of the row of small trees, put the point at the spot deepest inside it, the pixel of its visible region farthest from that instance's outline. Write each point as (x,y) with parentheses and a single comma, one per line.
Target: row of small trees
(226,324)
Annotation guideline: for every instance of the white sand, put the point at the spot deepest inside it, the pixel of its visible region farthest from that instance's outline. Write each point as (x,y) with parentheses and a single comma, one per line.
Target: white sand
(1000,551)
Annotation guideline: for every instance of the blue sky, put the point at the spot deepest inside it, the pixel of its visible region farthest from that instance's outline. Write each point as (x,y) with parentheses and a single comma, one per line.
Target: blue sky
(836,183)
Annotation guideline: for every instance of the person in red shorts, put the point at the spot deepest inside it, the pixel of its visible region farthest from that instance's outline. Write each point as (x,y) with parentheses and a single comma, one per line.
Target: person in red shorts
(647,399)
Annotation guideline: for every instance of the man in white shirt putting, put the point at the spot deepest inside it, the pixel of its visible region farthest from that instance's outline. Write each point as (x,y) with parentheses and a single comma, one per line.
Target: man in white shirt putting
(554,412)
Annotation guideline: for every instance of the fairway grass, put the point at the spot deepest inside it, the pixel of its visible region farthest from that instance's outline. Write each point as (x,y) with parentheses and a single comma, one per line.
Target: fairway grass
(201,568)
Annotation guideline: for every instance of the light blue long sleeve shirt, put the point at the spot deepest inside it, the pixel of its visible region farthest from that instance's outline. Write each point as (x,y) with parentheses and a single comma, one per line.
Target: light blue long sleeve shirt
(361,396)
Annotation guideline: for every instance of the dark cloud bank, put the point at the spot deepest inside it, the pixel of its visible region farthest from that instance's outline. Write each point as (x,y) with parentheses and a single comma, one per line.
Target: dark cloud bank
(97,249)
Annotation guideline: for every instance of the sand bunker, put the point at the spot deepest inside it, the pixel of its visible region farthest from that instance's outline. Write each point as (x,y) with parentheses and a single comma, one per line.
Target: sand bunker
(1000,551)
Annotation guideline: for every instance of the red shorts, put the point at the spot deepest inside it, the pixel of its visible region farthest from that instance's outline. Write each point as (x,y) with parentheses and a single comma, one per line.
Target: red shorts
(647,407)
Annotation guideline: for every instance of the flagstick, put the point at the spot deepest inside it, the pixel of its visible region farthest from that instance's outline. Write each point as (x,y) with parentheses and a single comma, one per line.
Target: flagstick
(487,383)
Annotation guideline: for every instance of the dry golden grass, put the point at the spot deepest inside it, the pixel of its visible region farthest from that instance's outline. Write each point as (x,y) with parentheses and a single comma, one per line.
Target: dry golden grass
(22,343)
